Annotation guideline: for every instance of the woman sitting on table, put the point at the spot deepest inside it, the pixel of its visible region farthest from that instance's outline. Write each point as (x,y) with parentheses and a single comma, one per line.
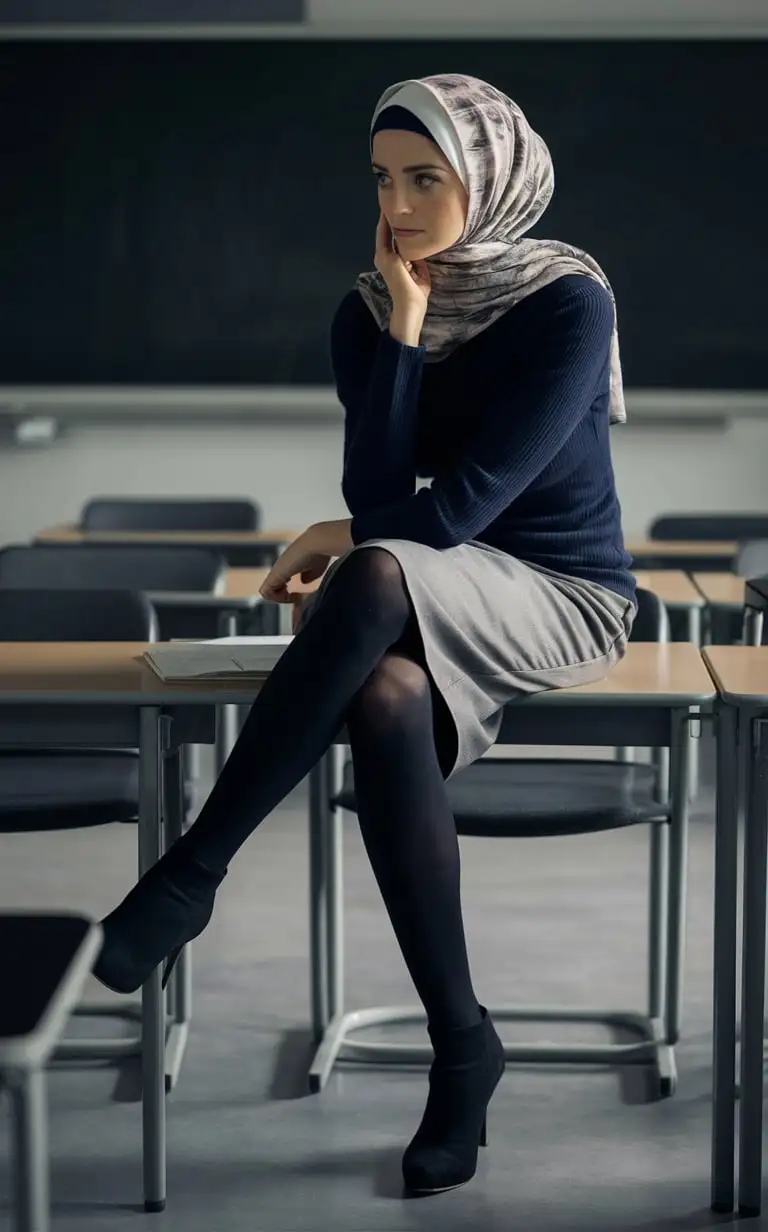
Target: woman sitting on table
(491,363)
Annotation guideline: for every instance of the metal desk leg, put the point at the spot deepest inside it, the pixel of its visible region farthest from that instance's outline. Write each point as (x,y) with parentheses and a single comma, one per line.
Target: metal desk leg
(724,991)
(752,627)
(152,999)
(179,989)
(334,837)
(694,635)
(227,717)
(678,864)
(318,896)
(331,1038)
(30,1151)
(658,894)
(753,966)
(285,619)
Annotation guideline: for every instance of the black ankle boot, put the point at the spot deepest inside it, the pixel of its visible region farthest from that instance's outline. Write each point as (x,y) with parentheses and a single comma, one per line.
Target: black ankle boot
(465,1072)
(169,906)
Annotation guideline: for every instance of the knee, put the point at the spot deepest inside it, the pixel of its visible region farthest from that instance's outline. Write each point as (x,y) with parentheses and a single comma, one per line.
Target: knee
(397,690)
(372,577)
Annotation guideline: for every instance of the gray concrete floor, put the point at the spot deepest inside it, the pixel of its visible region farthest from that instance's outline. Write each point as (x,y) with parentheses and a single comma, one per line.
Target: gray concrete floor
(551,920)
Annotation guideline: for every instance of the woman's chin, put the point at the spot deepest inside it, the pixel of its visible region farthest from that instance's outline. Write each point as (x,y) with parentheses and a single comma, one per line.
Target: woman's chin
(415,249)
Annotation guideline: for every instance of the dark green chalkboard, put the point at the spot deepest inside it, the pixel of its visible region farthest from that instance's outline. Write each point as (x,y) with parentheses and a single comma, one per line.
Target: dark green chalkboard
(191,213)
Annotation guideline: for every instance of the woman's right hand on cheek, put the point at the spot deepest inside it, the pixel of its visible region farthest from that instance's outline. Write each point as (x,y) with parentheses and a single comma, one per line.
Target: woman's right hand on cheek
(408,283)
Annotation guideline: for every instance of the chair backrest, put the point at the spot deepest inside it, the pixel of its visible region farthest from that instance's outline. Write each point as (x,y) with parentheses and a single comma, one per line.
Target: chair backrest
(652,621)
(129,513)
(74,566)
(710,527)
(755,608)
(76,616)
(752,560)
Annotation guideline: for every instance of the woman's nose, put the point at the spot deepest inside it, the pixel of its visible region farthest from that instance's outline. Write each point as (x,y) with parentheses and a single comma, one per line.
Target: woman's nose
(401,202)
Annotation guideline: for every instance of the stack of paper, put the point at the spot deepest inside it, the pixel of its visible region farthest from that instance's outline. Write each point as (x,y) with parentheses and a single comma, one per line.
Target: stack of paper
(225,658)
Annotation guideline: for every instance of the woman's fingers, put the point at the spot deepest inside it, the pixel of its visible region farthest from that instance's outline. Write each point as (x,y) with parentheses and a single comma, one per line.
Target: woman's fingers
(383,236)
(271,589)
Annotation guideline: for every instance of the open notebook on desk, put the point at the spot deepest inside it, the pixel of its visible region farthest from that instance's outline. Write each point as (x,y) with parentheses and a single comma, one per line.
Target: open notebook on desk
(223,658)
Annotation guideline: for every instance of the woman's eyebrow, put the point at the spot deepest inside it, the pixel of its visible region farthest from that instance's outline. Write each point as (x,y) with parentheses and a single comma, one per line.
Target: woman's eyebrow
(414,167)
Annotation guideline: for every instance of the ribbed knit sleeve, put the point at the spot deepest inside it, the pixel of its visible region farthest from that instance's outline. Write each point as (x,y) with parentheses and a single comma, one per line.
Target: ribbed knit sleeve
(524,424)
(378,382)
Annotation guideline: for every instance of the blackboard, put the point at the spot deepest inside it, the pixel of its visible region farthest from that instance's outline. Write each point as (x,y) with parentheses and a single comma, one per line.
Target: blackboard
(183,213)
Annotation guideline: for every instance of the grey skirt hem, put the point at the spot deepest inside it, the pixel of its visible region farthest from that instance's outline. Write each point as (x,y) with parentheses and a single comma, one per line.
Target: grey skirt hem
(495,628)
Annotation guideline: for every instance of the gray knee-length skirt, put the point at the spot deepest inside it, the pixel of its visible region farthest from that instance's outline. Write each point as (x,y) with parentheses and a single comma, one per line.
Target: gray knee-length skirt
(495,628)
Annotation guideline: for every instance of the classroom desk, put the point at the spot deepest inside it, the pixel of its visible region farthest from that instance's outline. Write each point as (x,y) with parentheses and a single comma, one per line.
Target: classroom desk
(681,554)
(741,676)
(239,547)
(244,583)
(649,699)
(720,590)
(102,694)
(91,695)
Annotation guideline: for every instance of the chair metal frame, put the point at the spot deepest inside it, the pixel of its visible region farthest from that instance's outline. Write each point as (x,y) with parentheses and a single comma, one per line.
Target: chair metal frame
(670,734)
(179,989)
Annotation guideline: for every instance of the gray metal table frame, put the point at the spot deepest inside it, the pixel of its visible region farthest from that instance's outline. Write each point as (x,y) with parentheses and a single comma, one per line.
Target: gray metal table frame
(22,1068)
(742,724)
(558,718)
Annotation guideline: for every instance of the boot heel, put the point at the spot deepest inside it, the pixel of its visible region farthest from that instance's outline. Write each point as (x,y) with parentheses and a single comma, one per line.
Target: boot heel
(170,964)
(484,1132)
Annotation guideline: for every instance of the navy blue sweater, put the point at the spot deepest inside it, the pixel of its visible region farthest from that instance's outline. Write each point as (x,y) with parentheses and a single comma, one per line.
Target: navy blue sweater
(512,428)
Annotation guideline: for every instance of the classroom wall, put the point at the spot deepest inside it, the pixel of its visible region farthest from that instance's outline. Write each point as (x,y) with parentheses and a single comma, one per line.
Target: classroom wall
(294,472)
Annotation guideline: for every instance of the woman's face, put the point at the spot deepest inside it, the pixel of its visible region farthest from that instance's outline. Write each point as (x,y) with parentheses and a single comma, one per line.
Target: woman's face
(419,192)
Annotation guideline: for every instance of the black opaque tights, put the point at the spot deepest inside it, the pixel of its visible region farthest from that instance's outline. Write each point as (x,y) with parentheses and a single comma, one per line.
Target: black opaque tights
(359,660)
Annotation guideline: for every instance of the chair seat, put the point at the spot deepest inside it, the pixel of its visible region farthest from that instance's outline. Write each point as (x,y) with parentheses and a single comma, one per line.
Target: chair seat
(515,798)
(65,790)
(36,955)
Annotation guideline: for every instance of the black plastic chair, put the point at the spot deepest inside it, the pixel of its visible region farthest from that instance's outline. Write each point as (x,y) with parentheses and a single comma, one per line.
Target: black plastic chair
(67,789)
(151,568)
(107,566)
(710,527)
(45,960)
(752,559)
(754,627)
(542,797)
(105,513)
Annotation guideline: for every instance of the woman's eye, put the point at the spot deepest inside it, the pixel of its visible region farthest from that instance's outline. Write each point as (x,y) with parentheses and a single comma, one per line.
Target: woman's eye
(421,181)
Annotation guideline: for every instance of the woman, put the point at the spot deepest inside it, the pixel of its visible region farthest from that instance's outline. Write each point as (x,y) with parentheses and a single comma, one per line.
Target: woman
(491,363)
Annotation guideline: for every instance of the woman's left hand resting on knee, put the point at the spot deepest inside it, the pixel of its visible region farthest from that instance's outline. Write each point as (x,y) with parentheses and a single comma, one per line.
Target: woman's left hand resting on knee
(309,555)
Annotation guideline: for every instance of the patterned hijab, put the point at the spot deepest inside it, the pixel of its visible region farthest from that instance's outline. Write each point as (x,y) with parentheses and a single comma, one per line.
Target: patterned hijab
(507,171)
